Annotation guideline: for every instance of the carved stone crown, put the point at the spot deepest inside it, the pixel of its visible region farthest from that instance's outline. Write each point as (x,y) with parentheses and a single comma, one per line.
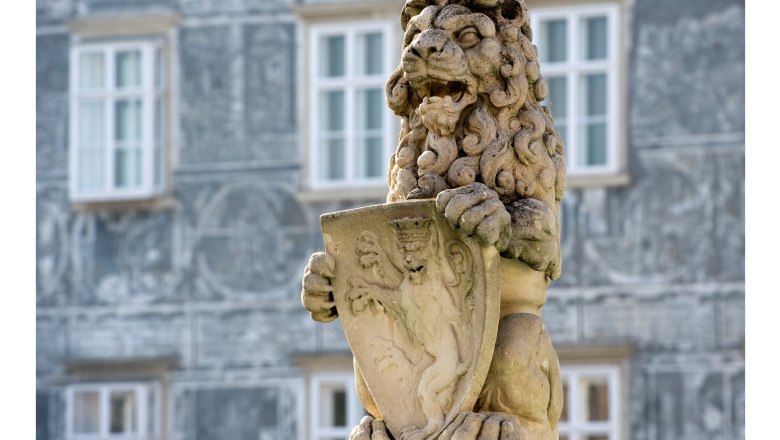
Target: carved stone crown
(412,229)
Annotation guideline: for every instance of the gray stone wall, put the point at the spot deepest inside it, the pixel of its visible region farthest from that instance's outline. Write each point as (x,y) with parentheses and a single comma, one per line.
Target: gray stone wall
(215,279)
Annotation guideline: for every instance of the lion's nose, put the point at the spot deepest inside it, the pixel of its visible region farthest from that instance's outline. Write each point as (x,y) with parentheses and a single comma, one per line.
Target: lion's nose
(430,42)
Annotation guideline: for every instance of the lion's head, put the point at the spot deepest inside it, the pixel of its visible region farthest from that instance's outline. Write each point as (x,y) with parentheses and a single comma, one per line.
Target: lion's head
(468,91)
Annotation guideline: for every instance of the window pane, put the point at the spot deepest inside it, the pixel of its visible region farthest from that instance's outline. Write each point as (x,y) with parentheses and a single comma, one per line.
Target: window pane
(92,126)
(86,412)
(127,121)
(158,140)
(595,399)
(127,155)
(92,70)
(370,53)
(128,68)
(369,157)
(339,408)
(158,68)
(332,110)
(122,417)
(596,144)
(557,96)
(369,108)
(332,165)
(127,167)
(91,144)
(333,405)
(91,163)
(553,41)
(594,94)
(332,56)
(594,38)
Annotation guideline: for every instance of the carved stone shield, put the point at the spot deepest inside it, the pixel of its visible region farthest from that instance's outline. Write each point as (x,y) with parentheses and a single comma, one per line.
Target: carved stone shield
(419,304)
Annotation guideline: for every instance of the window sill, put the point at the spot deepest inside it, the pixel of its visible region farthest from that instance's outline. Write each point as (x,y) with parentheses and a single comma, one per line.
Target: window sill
(345,9)
(585,181)
(340,194)
(97,367)
(618,352)
(159,203)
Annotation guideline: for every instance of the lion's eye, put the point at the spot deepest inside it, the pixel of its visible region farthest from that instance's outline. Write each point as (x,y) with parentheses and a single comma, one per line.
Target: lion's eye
(468,37)
(410,36)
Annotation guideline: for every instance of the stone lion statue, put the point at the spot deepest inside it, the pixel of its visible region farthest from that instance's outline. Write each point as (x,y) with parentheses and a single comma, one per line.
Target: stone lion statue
(468,92)
(475,136)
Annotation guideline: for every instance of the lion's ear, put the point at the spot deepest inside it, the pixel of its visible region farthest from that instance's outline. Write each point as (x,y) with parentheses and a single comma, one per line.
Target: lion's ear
(412,8)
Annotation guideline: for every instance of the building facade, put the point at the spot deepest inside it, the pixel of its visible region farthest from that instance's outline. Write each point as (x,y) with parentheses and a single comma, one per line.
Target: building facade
(186,148)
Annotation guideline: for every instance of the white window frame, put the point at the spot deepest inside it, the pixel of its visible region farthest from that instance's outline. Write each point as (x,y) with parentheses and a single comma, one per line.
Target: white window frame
(148,92)
(355,411)
(142,391)
(575,428)
(350,83)
(573,67)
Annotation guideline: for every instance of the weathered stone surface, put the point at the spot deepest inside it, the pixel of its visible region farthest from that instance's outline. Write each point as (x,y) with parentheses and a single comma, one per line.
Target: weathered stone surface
(653,323)
(48,11)
(198,7)
(672,117)
(51,102)
(419,305)
(237,412)
(268,66)
(254,339)
(49,414)
(52,242)
(124,257)
(561,319)
(688,70)
(209,94)
(97,6)
(51,345)
(681,222)
(136,335)
(475,137)
(242,74)
(237,254)
(731,325)
(469,93)
(700,398)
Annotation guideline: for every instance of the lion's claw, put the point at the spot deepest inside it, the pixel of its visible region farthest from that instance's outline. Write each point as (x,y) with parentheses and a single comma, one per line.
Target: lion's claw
(477,210)
(317,287)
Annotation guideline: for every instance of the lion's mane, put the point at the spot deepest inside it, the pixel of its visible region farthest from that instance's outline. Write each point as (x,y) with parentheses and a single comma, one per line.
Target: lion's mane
(505,140)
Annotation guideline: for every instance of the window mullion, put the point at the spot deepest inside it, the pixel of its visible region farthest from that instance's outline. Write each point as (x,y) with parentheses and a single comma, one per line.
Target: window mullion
(314,388)
(74,156)
(349,96)
(387,120)
(140,404)
(612,88)
(614,408)
(314,110)
(574,394)
(571,117)
(110,103)
(147,126)
(572,92)
(70,413)
(104,413)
